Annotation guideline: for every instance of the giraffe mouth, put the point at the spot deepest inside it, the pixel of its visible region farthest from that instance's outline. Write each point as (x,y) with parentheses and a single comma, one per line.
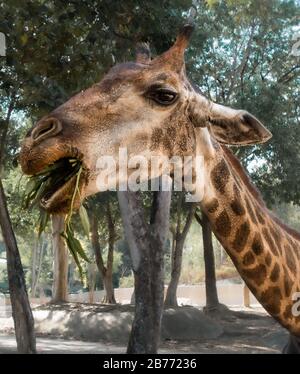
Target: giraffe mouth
(65,181)
(59,186)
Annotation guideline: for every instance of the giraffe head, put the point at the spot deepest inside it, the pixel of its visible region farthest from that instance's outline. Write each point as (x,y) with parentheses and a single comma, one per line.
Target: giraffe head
(148,107)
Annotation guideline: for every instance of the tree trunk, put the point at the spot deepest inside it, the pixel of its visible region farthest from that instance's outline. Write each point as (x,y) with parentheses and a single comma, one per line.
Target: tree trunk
(171,297)
(91,282)
(180,237)
(108,277)
(109,297)
(105,272)
(212,299)
(43,247)
(61,261)
(146,243)
(33,267)
(132,299)
(22,314)
(21,310)
(96,243)
(246,296)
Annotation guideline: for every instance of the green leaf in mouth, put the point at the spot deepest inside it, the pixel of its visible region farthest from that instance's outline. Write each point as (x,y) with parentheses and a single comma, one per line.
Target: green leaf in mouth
(46,182)
(49,180)
(74,244)
(84,220)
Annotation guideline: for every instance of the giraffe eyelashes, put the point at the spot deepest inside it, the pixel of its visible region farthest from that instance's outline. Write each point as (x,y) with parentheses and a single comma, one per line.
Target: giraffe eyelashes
(161,95)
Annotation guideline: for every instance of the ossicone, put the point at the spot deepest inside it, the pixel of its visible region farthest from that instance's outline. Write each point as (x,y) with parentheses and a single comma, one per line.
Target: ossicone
(143,53)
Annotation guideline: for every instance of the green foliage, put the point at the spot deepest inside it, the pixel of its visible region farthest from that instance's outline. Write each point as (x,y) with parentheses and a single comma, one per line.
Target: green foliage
(245,62)
(127,282)
(55,49)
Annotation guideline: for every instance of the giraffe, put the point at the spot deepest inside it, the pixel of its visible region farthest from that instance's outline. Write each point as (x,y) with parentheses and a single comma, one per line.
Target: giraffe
(150,107)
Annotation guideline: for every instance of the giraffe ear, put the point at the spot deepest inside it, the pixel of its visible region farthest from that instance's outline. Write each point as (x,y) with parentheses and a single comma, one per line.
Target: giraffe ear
(236,127)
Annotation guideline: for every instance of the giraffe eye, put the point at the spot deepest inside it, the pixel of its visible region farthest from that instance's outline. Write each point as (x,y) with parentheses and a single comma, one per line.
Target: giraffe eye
(162,96)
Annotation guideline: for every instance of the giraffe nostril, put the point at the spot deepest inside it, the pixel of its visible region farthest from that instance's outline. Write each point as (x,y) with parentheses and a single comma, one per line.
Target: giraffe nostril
(45,129)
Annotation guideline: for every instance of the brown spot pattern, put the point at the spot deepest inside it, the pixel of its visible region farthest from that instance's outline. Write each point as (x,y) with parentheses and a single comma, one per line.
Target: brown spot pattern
(212,206)
(257,274)
(271,298)
(268,259)
(237,208)
(257,245)
(167,144)
(241,237)
(220,176)
(171,132)
(236,204)
(156,137)
(288,312)
(223,224)
(288,284)
(275,273)
(290,259)
(248,259)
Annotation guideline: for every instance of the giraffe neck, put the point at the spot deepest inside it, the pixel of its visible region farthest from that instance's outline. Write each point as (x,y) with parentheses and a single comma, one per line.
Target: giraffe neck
(265,252)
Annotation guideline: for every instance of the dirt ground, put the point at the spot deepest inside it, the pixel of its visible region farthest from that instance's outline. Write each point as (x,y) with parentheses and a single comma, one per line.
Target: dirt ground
(244,331)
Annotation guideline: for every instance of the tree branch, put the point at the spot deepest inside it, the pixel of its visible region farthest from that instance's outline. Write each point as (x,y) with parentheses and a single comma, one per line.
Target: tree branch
(188,222)
(285,75)
(198,219)
(4,129)
(96,244)
(111,238)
